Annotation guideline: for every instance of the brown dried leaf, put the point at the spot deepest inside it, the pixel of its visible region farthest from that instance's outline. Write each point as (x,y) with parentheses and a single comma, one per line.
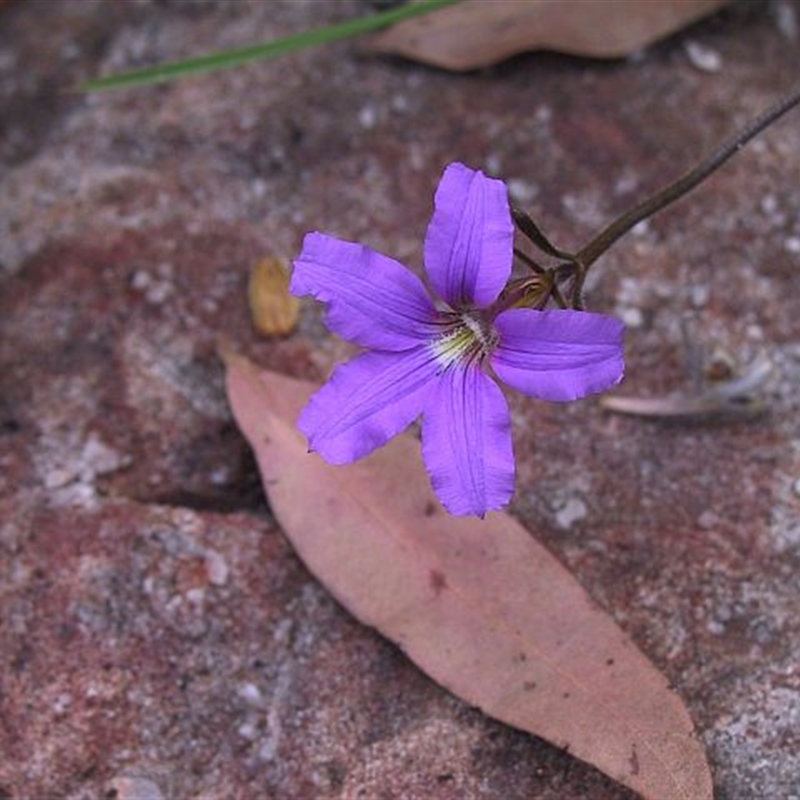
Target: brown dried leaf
(274,310)
(478,605)
(477,33)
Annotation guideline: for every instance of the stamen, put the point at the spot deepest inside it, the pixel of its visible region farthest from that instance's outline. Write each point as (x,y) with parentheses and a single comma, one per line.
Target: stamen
(453,346)
(469,338)
(483,336)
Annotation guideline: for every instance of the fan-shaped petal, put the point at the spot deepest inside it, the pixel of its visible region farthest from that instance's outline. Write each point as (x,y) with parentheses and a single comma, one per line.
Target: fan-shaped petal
(366,402)
(470,240)
(372,300)
(558,355)
(466,442)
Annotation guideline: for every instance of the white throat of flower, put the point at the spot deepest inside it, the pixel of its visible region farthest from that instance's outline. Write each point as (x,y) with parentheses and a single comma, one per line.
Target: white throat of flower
(466,337)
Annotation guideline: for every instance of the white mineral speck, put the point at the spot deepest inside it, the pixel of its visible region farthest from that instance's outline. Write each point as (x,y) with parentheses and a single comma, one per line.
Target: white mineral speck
(216,567)
(58,478)
(792,244)
(493,164)
(140,280)
(195,596)
(400,103)
(521,190)
(368,117)
(62,703)
(702,57)
(158,293)
(700,295)
(715,627)
(769,204)
(754,332)
(571,512)
(632,317)
(136,788)
(708,519)
(251,694)
(259,188)
(219,476)
(247,730)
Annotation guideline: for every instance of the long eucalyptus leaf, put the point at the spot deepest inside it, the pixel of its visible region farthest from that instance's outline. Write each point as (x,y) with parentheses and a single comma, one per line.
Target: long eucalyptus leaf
(160,73)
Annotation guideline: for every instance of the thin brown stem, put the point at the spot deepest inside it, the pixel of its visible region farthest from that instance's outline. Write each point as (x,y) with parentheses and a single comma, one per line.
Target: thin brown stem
(675,190)
(535,234)
(529,262)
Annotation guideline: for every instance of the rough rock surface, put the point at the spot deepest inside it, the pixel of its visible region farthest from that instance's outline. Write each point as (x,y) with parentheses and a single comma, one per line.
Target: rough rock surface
(158,638)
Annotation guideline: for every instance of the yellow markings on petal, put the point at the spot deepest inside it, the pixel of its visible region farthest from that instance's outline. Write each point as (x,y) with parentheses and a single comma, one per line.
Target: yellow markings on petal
(453,346)
(469,337)
(274,310)
(482,335)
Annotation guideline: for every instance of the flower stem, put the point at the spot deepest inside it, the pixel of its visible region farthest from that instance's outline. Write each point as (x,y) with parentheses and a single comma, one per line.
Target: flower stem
(675,190)
(535,235)
(529,262)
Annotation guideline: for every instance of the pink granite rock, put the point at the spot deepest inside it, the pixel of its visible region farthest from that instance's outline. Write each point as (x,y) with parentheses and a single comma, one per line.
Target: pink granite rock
(158,638)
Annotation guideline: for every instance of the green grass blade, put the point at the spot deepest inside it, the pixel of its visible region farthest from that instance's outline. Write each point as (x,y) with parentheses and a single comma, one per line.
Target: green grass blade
(290,44)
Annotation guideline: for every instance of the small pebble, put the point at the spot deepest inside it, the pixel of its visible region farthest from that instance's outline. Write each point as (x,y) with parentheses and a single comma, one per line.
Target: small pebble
(136,788)
(702,57)
(571,512)
(62,703)
(754,332)
(140,280)
(58,478)
(707,520)
(521,190)
(792,244)
(368,117)
(247,730)
(493,164)
(251,694)
(631,316)
(216,567)
(195,596)
(700,295)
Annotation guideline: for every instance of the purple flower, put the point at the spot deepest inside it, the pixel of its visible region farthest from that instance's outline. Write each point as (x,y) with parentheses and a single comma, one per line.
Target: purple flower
(438,356)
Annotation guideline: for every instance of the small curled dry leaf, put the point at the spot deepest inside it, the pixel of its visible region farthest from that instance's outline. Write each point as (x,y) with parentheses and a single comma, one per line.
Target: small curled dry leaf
(274,310)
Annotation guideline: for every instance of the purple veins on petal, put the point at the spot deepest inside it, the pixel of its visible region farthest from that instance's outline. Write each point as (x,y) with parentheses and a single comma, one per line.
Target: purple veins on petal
(372,299)
(366,402)
(558,355)
(466,442)
(470,240)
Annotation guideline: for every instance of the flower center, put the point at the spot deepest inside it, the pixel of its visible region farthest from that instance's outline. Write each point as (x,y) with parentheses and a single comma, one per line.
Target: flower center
(467,337)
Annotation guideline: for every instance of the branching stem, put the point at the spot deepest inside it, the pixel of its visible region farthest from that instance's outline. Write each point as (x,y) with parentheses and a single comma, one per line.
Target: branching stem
(580,262)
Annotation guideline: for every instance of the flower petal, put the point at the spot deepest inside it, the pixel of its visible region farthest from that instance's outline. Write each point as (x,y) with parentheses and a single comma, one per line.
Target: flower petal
(558,355)
(470,241)
(366,402)
(373,300)
(466,442)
